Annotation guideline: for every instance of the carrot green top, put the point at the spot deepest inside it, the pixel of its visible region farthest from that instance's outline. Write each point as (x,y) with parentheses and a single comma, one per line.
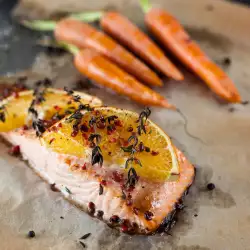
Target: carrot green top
(146,5)
(48,25)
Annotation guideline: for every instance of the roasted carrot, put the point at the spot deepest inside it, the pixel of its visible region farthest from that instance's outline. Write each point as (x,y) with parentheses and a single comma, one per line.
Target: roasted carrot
(131,36)
(100,69)
(85,36)
(173,36)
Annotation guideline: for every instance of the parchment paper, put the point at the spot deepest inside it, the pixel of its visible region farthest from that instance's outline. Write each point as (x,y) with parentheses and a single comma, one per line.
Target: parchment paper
(221,154)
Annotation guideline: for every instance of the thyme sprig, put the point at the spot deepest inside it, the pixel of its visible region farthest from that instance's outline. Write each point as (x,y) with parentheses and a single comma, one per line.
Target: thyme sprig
(132,149)
(39,98)
(2,113)
(77,115)
(142,120)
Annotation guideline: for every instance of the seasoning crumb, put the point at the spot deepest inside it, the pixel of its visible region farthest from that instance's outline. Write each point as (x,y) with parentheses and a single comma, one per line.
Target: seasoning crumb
(100,213)
(245,102)
(53,187)
(227,61)
(195,215)
(15,150)
(100,189)
(210,186)
(61,217)
(31,234)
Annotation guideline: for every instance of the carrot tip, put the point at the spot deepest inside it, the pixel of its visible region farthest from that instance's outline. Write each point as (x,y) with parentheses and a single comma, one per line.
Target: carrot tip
(166,104)
(178,76)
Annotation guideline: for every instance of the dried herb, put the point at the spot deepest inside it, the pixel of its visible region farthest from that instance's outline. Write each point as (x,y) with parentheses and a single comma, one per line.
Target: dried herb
(128,149)
(142,120)
(123,195)
(2,113)
(100,189)
(132,178)
(67,190)
(111,118)
(96,137)
(70,92)
(96,156)
(85,236)
(39,127)
(82,244)
(92,121)
(39,93)
(132,160)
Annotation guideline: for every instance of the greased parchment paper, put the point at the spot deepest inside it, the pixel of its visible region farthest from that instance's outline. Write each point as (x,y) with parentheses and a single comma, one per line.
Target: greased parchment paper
(212,220)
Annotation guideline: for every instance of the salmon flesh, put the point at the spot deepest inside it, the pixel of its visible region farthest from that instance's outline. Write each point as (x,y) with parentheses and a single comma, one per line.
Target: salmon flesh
(97,190)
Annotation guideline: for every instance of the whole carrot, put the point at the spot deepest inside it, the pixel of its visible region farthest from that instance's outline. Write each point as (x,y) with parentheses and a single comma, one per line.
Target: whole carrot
(83,35)
(169,31)
(131,36)
(98,68)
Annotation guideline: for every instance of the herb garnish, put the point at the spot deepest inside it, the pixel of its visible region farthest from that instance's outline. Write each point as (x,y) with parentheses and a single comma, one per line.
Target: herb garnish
(39,93)
(85,236)
(100,189)
(142,120)
(67,190)
(83,245)
(2,113)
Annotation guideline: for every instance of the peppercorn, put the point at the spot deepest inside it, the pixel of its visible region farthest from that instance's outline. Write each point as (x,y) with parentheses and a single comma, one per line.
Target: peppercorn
(91,207)
(210,186)
(100,213)
(114,219)
(148,215)
(31,234)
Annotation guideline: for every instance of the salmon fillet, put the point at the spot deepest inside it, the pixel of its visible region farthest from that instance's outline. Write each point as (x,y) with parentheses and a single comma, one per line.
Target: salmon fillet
(97,190)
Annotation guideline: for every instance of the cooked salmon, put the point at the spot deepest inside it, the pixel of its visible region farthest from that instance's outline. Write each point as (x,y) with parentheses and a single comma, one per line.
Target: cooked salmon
(97,189)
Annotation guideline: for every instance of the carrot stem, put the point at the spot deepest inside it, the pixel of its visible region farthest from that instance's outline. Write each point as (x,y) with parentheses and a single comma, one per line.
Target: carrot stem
(40,25)
(48,25)
(146,5)
(87,16)
(69,47)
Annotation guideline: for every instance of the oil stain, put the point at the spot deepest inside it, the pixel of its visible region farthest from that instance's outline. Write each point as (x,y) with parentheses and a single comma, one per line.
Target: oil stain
(206,36)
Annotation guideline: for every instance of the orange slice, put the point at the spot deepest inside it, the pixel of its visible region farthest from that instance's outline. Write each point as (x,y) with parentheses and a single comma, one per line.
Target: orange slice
(16,107)
(154,150)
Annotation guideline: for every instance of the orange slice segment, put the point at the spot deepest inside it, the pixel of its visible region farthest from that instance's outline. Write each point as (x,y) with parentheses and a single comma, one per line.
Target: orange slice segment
(154,150)
(16,107)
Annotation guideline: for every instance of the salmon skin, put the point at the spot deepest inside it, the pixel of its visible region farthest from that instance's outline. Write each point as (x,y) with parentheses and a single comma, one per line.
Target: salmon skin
(95,189)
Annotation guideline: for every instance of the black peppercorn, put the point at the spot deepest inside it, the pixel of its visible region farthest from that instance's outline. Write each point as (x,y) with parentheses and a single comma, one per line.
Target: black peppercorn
(210,186)
(100,213)
(31,234)
(148,215)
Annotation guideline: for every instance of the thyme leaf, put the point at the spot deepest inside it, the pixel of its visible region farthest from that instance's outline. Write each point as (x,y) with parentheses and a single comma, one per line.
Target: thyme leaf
(142,119)
(96,137)
(85,236)
(96,156)
(128,149)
